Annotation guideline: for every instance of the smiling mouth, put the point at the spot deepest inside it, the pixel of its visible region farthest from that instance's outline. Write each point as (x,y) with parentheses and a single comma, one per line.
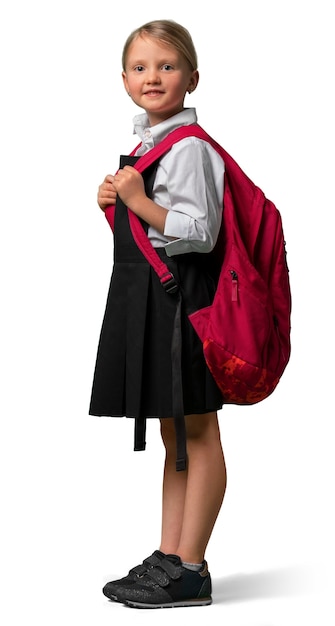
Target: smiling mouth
(153,92)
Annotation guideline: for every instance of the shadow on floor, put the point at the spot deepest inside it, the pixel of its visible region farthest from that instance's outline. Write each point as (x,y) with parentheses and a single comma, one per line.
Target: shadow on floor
(290,581)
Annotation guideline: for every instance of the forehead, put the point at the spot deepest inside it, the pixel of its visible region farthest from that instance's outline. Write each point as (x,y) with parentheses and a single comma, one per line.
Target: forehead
(146,46)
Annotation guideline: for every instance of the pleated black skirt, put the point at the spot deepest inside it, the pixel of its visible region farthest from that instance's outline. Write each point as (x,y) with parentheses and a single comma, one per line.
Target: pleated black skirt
(133,371)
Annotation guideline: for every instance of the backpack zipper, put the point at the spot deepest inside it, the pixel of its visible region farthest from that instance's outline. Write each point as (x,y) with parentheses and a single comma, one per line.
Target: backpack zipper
(233,285)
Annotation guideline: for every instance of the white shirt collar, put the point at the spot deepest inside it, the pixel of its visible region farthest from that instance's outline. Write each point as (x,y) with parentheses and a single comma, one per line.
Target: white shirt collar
(152,135)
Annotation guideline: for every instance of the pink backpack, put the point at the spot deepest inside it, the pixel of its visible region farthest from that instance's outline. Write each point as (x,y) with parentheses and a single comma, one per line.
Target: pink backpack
(246,331)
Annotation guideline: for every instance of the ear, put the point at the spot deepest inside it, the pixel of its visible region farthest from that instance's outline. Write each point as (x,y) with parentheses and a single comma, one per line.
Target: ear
(193,81)
(125,82)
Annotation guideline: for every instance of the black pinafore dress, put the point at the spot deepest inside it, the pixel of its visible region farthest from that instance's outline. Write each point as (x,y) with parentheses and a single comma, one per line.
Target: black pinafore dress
(134,372)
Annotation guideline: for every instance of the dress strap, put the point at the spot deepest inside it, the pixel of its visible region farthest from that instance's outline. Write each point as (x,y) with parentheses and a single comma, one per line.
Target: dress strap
(177,390)
(149,178)
(139,433)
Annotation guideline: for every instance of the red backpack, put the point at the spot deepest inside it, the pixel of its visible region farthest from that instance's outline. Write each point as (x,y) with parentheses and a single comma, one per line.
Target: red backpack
(246,331)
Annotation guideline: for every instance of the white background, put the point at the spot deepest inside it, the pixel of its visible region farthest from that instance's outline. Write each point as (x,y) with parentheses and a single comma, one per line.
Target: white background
(78,506)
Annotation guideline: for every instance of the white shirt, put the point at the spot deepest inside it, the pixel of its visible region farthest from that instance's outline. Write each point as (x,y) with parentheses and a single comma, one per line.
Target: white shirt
(188,182)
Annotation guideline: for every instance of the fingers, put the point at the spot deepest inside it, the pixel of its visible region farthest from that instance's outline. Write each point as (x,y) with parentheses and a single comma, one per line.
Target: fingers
(126,178)
(109,178)
(127,173)
(106,192)
(126,182)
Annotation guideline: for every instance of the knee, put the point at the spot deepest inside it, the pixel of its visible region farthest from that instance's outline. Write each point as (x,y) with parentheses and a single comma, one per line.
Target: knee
(201,431)
(202,428)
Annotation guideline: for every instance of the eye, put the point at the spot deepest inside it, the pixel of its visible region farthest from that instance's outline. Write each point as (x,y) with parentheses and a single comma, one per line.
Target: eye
(167,67)
(139,68)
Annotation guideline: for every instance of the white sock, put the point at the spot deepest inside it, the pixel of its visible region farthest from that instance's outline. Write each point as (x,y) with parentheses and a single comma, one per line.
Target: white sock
(194,567)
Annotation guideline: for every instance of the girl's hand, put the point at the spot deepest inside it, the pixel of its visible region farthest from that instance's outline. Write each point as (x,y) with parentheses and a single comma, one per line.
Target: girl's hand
(129,185)
(107,193)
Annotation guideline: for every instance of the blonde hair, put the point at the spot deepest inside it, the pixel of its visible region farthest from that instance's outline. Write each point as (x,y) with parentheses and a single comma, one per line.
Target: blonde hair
(170,33)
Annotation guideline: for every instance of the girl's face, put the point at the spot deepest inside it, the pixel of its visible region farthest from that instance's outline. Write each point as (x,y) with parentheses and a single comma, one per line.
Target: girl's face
(157,78)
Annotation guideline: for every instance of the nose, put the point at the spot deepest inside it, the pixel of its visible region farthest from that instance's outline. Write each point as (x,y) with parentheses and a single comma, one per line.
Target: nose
(152,75)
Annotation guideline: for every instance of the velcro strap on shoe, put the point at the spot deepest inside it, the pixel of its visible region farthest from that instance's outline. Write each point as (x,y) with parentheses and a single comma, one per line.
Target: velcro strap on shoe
(165,572)
(172,570)
(149,562)
(158,576)
(152,560)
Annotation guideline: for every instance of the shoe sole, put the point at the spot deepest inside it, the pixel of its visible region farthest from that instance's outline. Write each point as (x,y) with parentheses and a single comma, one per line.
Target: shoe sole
(168,605)
(113,598)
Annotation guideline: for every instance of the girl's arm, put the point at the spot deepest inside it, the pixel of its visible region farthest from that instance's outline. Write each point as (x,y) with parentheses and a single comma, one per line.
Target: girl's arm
(189,182)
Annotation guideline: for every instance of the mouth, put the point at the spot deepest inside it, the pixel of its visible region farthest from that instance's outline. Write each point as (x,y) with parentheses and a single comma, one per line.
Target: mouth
(153,93)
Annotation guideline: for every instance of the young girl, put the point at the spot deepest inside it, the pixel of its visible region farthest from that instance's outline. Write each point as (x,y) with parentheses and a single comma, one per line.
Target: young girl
(180,204)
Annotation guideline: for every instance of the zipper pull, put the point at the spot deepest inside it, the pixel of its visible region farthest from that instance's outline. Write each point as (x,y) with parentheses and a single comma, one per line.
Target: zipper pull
(233,285)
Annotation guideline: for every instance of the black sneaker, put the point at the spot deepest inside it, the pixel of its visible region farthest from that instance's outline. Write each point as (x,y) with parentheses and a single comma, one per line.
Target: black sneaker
(169,584)
(113,589)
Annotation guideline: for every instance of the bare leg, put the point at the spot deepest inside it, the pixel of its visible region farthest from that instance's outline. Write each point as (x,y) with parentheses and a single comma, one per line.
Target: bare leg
(174,491)
(192,499)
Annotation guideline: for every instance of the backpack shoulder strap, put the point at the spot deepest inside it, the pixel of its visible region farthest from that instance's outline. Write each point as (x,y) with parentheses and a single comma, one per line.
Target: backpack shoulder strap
(141,239)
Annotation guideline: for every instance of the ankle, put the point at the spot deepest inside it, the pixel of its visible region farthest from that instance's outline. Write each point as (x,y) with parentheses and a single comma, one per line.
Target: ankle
(168,548)
(190,557)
